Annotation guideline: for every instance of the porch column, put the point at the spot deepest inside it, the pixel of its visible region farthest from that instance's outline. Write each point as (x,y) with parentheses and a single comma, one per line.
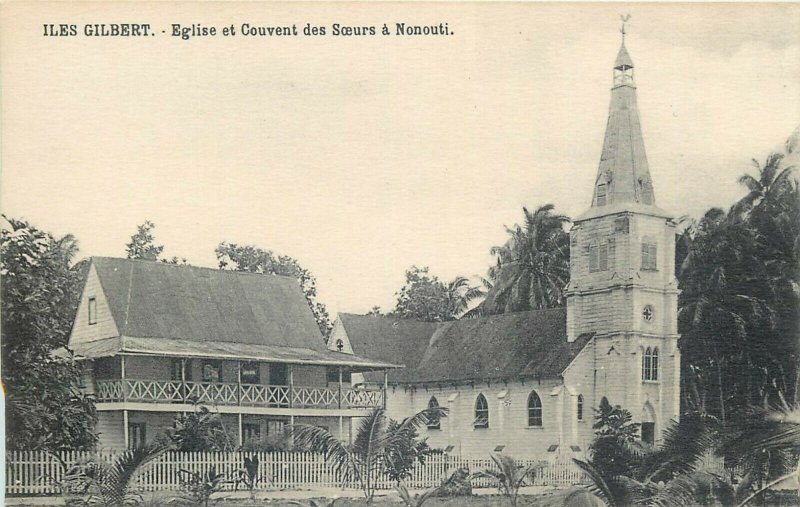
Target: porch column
(241,437)
(341,428)
(124,400)
(239,394)
(184,389)
(385,386)
(291,386)
(340,398)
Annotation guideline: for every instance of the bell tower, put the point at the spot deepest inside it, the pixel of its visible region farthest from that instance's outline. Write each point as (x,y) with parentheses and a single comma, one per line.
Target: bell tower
(622,272)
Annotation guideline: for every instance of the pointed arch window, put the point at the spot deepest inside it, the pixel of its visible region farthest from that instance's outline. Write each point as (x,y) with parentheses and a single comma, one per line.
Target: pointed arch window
(481,412)
(434,423)
(534,410)
(650,364)
(580,407)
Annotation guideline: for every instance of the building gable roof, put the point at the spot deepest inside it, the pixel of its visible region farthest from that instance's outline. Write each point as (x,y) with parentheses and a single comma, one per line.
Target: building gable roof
(529,344)
(400,341)
(524,344)
(157,300)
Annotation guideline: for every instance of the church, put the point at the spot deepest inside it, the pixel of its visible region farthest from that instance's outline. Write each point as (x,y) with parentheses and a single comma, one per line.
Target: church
(526,383)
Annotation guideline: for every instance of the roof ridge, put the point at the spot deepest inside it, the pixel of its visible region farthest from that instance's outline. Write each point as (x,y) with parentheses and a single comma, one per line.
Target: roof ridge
(190,266)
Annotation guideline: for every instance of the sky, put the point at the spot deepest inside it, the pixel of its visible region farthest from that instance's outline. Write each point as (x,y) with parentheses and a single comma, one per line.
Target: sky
(362,156)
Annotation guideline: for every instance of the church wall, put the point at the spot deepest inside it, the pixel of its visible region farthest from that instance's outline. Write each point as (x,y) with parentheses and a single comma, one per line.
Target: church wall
(579,378)
(508,418)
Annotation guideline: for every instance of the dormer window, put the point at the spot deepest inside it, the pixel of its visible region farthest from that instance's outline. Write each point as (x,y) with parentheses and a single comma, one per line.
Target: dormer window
(92,311)
(601,194)
(339,345)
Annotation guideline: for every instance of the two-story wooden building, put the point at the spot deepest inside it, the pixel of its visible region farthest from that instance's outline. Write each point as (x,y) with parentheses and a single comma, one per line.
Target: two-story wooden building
(155,338)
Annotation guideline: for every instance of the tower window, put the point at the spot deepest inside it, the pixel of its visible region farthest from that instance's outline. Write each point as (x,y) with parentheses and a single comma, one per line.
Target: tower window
(601,194)
(598,256)
(433,420)
(649,255)
(580,407)
(92,311)
(534,410)
(650,364)
(481,412)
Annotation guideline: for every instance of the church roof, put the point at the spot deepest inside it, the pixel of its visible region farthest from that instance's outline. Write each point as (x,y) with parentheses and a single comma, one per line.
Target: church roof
(623,58)
(400,341)
(529,344)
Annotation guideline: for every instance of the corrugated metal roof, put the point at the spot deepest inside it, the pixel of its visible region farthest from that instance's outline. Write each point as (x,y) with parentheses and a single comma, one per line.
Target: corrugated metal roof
(523,344)
(158,300)
(388,339)
(224,350)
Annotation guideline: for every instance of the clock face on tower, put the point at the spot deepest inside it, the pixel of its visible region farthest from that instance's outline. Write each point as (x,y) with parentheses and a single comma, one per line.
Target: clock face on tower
(647,313)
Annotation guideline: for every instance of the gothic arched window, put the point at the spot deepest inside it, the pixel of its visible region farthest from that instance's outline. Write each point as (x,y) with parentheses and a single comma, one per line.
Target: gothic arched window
(481,412)
(433,420)
(580,407)
(534,409)
(650,364)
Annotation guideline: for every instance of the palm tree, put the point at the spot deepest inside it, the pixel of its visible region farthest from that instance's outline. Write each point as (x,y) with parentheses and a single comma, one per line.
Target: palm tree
(378,446)
(724,304)
(626,471)
(459,294)
(771,181)
(532,267)
(110,485)
(509,475)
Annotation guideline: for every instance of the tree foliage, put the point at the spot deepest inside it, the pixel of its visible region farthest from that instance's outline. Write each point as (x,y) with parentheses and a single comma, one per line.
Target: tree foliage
(251,259)
(40,292)
(623,470)
(381,447)
(532,266)
(424,297)
(740,304)
(142,245)
(199,431)
(509,475)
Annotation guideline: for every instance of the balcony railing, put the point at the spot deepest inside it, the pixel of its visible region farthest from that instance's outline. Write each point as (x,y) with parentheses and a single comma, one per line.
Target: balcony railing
(250,395)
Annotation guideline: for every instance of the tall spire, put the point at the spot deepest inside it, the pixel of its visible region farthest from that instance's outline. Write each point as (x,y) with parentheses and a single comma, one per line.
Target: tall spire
(623,175)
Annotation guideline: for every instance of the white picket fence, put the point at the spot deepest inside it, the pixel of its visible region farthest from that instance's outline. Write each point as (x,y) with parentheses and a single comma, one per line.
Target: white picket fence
(39,473)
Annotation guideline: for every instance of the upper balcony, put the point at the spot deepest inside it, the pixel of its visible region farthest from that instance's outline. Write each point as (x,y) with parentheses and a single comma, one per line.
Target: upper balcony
(232,394)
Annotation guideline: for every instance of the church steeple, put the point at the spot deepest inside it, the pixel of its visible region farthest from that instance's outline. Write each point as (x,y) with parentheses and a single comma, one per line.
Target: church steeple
(623,176)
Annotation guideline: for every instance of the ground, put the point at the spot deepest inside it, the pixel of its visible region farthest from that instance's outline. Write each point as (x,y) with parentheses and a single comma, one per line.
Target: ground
(532,497)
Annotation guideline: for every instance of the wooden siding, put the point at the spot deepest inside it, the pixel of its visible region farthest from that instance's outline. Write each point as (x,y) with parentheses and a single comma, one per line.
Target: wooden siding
(105,327)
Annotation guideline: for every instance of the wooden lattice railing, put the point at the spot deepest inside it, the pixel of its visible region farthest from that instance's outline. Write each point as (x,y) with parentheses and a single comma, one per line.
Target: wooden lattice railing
(227,393)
